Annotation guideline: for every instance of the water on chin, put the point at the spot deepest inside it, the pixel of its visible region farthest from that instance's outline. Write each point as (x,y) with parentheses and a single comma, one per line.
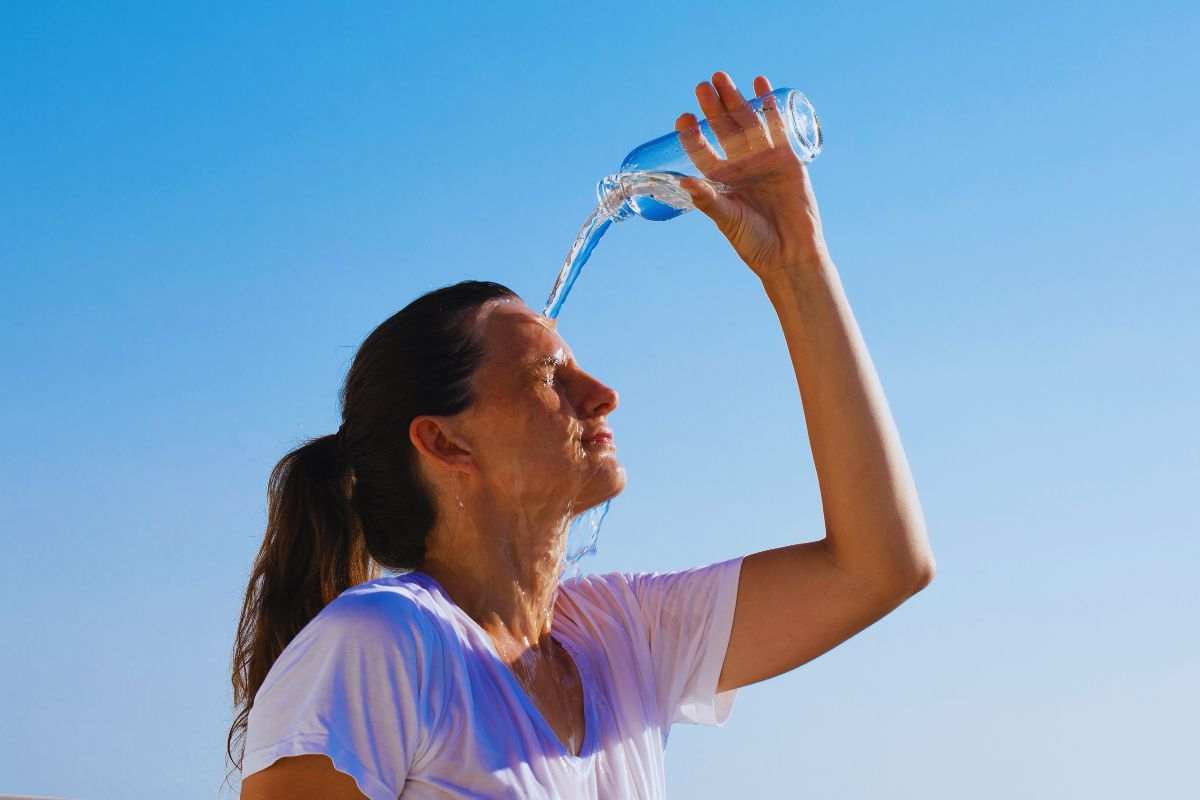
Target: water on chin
(582,537)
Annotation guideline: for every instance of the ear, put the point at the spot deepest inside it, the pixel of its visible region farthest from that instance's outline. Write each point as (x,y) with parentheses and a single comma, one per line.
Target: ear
(437,438)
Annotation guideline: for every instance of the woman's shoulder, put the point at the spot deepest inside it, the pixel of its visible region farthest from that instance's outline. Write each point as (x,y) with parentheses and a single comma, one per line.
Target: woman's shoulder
(391,624)
(366,682)
(394,608)
(608,595)
(637,595)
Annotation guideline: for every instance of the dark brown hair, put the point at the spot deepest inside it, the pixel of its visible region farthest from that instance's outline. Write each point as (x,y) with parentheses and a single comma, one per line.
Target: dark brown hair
(343,505)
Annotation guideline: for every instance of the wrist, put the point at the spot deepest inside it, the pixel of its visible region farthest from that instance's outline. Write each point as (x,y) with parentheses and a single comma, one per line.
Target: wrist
(797,276)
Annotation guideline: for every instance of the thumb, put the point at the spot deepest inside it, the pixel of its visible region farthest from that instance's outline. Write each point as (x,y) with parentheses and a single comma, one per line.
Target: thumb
(716,207)
(712,203)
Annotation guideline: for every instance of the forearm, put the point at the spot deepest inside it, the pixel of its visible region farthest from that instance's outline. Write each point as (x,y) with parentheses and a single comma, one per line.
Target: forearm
(873,520)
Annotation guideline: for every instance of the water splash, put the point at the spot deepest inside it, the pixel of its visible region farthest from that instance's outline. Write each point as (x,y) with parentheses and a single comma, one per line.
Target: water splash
(583,535)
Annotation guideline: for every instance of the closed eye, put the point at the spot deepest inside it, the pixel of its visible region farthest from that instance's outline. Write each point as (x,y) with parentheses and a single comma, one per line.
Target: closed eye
(547,374)
(548,369)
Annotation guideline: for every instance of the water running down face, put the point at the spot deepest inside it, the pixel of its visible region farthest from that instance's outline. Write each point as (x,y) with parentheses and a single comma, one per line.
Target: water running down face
(535,407)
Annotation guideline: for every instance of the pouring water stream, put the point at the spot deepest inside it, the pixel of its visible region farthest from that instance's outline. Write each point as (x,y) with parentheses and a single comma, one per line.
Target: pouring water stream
(622,195)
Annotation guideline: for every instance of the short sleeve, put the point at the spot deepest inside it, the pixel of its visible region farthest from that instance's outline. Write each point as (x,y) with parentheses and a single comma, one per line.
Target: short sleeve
(350,686)
(688,617)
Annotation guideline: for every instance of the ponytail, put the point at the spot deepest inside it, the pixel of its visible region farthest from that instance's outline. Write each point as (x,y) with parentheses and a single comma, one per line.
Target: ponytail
(312,552)
(342,506)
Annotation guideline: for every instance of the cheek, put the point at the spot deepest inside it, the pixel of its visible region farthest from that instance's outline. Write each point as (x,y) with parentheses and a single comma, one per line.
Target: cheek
(561,438)
(544,431)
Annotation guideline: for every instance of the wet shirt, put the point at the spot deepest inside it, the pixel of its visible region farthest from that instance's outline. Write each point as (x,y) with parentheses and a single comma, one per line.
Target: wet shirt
(406,693)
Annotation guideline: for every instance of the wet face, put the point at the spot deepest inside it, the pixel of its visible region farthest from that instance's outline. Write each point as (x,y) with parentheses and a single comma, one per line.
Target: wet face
(535,405)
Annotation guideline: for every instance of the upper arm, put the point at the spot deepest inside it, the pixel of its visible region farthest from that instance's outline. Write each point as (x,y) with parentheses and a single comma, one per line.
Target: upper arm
(793,604)
(311,777)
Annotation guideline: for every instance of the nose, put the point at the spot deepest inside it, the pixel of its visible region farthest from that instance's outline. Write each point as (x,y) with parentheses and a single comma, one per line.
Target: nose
(601,399)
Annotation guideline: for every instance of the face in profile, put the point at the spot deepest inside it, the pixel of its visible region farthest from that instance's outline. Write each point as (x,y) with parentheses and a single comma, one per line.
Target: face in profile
(535,407)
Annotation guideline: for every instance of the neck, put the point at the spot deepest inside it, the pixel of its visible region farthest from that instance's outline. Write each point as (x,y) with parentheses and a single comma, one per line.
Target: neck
(502,567)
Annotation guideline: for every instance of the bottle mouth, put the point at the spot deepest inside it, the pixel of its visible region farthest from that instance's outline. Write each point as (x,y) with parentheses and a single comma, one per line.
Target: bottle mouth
(613,196)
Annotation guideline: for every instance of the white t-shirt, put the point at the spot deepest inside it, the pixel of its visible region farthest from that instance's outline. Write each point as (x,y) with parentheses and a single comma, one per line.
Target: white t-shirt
(405,692)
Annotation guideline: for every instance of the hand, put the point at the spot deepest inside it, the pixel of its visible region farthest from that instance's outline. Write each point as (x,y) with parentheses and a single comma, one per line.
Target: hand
(770,216)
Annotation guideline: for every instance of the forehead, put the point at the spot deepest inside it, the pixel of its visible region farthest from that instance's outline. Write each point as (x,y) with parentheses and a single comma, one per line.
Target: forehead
(513,333)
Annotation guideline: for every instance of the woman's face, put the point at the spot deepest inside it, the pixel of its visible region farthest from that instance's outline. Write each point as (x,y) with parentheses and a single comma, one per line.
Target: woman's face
(535,406)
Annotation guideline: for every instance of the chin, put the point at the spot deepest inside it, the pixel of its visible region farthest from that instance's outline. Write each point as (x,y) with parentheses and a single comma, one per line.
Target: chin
(613,484)
(604,485)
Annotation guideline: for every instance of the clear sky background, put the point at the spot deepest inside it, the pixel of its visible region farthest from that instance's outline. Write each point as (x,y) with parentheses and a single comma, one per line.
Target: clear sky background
(205,208)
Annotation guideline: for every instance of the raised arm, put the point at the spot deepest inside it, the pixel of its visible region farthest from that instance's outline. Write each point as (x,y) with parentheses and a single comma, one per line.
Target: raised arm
(797,602)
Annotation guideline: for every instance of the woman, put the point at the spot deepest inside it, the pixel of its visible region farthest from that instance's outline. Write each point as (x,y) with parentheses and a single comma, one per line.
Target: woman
(471,436)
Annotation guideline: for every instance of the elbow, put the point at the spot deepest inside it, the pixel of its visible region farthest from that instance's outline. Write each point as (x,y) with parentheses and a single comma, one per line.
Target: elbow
(908,579)
(920,575)
(924,575)
(897,583)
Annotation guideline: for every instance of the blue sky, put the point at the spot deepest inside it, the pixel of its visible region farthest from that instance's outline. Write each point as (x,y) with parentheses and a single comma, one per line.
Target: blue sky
(205,209)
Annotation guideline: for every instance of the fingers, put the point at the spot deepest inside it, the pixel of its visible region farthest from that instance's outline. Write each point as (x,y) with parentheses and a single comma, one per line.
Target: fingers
(776,126)
(731,118)
(731,96)
(710,101)
(724,126)
(696,146)
(735,105)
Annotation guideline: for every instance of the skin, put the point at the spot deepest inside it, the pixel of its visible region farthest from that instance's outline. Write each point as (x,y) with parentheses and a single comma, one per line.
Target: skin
(516,464)
(514,470)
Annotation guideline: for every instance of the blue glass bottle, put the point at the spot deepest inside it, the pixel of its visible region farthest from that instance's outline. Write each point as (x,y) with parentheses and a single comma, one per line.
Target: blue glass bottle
(647,185)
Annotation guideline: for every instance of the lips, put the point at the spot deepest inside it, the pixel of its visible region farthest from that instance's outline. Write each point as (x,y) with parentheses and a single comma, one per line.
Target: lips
(602,435)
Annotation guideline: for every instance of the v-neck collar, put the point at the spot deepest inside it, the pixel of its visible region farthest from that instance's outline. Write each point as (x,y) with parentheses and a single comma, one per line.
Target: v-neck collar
(582,665)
